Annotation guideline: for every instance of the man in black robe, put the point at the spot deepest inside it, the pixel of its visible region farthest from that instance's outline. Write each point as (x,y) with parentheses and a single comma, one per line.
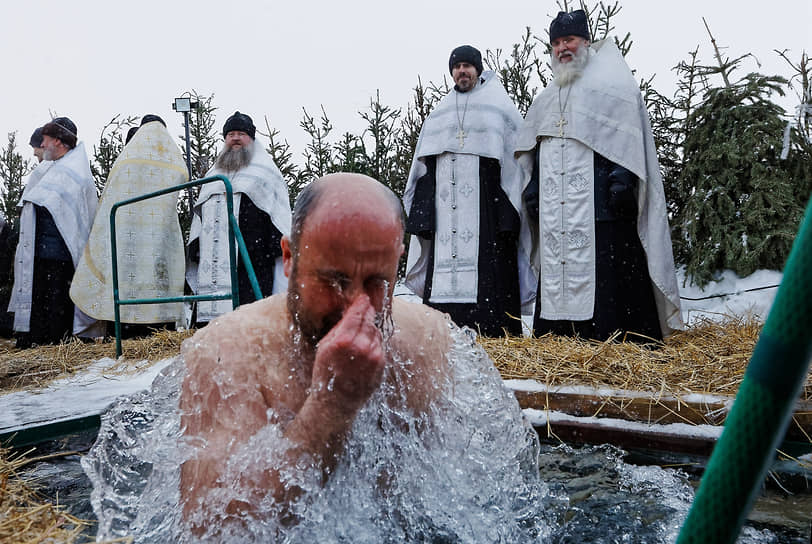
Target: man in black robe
(462,199)
(58,206)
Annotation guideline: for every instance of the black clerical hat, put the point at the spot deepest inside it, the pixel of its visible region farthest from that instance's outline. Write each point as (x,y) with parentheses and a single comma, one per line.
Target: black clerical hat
(130,134)
(466,53)
(63,130)
(570,24)
(240,121)
(36,138)
(150,117)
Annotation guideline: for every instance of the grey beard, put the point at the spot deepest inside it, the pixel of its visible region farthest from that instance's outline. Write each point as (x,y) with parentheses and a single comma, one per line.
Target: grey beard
(233,160)
(566,73)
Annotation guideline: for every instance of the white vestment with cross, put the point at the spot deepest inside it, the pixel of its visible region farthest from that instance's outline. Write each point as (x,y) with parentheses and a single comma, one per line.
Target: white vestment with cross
(605,114)
(149,242)
(489,122)
(262,182)
(65,188)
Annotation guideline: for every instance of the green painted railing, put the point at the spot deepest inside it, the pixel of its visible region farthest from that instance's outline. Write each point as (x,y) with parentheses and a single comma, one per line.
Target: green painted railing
(763,407)
(233,233)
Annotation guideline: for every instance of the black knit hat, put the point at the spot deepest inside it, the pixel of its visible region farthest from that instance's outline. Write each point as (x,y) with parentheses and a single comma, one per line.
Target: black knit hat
(150,117)
(466,53)
(130,134)
(36,138)
(570,24)
(63,130)
(240,121)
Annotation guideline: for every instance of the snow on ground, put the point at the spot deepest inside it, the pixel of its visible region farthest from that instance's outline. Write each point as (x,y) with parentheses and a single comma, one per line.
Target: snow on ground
(87,393)
(752,295)
(540,418)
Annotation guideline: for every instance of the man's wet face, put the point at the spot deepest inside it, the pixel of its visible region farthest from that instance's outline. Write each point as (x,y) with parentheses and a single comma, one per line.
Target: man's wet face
(313,328)
(342,256)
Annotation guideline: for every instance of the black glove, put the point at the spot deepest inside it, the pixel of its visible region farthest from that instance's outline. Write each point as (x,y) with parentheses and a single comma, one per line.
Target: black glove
(622,197)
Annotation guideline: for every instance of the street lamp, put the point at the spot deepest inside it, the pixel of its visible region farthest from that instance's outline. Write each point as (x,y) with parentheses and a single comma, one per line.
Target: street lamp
(184,105)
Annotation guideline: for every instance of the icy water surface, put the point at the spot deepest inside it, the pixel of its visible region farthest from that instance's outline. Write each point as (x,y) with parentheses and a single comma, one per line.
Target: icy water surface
(601,509)
(465,473)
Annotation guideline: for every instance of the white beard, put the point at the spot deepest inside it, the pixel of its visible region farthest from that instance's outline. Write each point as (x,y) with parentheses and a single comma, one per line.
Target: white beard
(567,72)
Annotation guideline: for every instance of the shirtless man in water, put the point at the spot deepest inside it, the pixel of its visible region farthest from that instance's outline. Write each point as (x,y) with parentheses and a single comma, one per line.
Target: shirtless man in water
(308,362)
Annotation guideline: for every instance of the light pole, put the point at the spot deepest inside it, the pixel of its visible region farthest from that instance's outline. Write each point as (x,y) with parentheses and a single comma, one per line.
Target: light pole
(185,105)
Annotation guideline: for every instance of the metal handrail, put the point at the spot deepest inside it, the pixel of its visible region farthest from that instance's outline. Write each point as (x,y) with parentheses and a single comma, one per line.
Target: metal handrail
(233,233)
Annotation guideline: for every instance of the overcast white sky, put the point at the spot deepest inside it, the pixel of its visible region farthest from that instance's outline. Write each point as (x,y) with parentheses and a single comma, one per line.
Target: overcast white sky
(93,59)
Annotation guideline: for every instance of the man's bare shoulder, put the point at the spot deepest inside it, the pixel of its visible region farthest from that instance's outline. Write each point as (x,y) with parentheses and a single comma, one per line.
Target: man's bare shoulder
(240,337)
(420,331)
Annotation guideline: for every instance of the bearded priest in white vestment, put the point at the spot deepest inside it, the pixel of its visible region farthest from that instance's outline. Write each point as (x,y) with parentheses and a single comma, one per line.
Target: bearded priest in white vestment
(462,199)
(262,209)
(594,197)
(58,206)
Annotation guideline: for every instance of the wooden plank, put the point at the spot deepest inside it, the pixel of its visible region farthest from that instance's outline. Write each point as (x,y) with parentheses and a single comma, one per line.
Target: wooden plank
(644,408)
(576,432)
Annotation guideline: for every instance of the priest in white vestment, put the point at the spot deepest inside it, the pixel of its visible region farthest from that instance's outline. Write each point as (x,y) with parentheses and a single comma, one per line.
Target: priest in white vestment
(149,242)
(594,197)
(462,199)
(58,206)
(262,208)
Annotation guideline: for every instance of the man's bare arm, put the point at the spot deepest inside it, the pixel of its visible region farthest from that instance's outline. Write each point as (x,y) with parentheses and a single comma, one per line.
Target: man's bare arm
(347,369)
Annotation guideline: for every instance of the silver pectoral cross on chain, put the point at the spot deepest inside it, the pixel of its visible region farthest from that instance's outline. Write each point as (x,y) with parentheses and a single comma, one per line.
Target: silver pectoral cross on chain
(461,137)
(560,124)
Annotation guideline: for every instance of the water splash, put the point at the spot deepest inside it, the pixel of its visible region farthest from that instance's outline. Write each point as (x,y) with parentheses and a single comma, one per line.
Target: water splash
(464,471)
(134,461)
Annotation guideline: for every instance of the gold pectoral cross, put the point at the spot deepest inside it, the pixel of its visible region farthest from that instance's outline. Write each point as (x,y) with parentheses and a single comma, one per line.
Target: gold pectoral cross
(461,137)
(560,124)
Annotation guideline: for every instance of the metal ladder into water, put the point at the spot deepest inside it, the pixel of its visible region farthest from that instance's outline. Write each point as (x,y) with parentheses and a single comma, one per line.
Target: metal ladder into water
(233,233)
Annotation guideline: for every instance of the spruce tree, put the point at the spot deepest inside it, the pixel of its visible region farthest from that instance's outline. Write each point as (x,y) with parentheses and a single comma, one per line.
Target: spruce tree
(797,145)
(522,72)
(383,128)
(350,155)
(108,149)
(671,120)
(744,208)
(318,153)
(282,156)
(13,169)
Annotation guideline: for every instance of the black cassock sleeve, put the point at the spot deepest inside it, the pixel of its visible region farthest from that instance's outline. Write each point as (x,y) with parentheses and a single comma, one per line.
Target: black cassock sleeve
(622,198)
(530,196)
(421,219)
(507,218)
(615,196)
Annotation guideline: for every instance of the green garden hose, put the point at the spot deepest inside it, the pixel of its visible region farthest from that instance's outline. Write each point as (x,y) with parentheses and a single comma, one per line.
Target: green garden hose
(763,408)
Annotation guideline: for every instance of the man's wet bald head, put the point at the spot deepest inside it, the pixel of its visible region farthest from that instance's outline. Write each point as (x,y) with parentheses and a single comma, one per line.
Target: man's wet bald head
(348,194)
